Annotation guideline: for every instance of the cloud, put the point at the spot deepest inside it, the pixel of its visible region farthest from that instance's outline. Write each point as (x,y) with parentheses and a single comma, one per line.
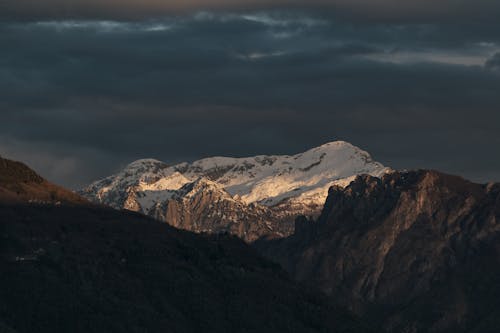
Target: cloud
(494,62)
(81,98)
(140,9)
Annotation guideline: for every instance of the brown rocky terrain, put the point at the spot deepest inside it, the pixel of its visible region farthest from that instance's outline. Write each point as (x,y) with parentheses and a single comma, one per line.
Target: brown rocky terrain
(203,206)
(417,251)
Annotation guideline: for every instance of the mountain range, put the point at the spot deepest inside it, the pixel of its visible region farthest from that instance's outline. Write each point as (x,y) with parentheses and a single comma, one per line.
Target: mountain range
(387,251)
(71,266)
(250,197)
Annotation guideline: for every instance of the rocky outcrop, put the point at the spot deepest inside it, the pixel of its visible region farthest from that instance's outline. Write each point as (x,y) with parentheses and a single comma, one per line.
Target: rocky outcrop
(204,206)
(418,251)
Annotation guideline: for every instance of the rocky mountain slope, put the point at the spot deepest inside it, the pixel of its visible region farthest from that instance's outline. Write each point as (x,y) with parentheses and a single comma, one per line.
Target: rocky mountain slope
(418,251)
(87,268)
(220,212)
(271,190)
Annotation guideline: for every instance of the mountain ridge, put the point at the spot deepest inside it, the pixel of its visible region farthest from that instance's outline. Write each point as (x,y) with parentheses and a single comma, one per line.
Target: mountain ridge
(282,186)
(416,250)
(70,267)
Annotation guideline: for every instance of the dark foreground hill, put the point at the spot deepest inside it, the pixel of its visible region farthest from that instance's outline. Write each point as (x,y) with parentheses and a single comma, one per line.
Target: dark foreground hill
(79,268)
(20,184)
(418,251)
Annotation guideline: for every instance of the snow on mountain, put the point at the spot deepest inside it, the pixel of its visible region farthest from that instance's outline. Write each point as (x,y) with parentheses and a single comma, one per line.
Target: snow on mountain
(289,185)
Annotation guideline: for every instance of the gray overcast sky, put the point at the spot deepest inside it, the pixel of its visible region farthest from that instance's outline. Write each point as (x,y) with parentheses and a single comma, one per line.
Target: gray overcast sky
(88,86)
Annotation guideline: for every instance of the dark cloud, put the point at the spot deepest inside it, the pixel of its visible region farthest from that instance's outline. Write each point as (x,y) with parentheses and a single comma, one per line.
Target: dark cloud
(81,98)
(137,9)
(494,62)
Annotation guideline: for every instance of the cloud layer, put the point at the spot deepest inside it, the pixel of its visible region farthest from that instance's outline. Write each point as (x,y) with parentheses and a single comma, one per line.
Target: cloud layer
(92,95)
(135,9)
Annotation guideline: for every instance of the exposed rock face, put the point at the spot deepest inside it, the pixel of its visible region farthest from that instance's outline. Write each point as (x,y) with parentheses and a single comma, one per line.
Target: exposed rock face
(420,251)
(220,212)
(268,191)
(18,183)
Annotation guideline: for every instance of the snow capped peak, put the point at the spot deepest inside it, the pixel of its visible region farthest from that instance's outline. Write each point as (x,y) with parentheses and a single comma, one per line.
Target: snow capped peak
(145,164)
(338,143)
(337,148)
(145,161)
(301,180)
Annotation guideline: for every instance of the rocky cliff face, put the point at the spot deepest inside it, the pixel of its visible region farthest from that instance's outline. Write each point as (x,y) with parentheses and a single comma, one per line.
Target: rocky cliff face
(419,251)
(256,196)
(204,206)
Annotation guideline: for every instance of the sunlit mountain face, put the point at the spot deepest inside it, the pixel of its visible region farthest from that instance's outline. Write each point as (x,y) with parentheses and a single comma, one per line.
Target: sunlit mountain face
(89,86)
(251,197)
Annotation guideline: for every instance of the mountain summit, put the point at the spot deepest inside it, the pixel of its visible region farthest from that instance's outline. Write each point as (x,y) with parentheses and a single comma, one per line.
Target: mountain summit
(274,188)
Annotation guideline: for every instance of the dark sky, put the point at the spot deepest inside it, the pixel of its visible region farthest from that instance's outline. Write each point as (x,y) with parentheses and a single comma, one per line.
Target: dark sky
(88,86)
